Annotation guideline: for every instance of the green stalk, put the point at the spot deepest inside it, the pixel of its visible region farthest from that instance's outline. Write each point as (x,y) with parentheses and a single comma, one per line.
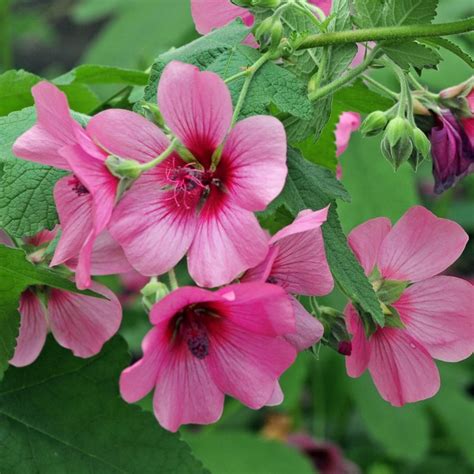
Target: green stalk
(394,33)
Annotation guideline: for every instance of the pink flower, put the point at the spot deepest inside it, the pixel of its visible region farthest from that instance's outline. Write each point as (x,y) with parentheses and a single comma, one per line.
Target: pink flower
(199,207)
(436,311)
(468,122)
(79,323)
(296,261)
(206,344)
(348,122)
(86,199)
(211,14)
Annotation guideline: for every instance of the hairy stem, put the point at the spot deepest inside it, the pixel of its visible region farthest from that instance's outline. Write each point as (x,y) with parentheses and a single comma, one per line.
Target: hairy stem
(394,33)
(381,87)
(159,159)
(342,81)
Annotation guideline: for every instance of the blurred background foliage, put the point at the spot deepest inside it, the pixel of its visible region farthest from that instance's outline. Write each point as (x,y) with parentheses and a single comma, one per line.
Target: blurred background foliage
(343,418)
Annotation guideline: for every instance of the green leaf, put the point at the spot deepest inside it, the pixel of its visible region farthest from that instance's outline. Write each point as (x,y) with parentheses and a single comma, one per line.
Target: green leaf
(228,452)
(271,85)
(411,53)
(309,186)
(100,433)
(95,74)
(26,189)
(391,290)
(201,52)
(403,432)
(394,12)
(17,274)
(450,46)
(15,90)
(335,60)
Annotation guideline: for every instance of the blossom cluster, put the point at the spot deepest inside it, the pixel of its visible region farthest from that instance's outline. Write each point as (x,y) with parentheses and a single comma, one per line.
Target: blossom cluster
(140,197)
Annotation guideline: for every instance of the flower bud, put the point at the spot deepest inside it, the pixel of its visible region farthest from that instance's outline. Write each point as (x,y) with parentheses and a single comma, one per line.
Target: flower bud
(336,335)
(153,292)
(264,28)
(422,148)
(123,168)
(397,144)
(374,123)
(276,33)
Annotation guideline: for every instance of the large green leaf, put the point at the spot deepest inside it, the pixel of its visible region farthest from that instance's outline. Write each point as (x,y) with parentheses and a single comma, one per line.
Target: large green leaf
(271,85)
(411,53)
(64,414)
(17,274)
(309,186)
(26,189)
(403,432)
(230,452)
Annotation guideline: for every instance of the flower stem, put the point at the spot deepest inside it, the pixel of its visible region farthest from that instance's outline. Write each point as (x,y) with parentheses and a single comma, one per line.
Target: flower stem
(173,280)
(395,33)
(160,158)
(243,93)
(342,81)
(381,87)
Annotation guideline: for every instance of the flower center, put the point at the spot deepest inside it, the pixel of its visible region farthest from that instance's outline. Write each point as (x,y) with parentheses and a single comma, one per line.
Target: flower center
(190,185)
(191,327)
(77,186)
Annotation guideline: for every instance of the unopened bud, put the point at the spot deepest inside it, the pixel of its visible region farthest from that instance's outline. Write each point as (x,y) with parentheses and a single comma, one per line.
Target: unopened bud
(336,335)
(123,168)
(397,144)
(276,33)
(374,123)
(264,28)
(422,148)
(153,292)
(462,89)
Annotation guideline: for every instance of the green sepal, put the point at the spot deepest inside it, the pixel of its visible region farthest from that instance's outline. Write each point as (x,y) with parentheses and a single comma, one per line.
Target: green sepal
(393,320)
(390,291)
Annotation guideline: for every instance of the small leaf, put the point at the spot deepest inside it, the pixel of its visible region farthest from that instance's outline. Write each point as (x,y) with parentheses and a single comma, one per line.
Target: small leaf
(450,46)
(413,54)
(100,433)
(391,290)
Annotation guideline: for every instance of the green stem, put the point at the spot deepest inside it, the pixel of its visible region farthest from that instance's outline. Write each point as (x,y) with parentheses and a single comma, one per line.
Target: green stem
(342,81)
(394,33)
(236,76)
(121,91)
(173,280)
(245,88)
(160,158)
(380,86)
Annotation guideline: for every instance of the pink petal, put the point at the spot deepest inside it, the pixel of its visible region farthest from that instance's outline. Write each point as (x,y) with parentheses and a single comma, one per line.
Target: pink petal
(75,216)
(84,323)
(185,391)
(262,271)
(211,14)
(325,5)
(348,122)
(439,313)
(277,396)
(43,237)
(258,307)
(357,362)
(127,135)
(33,330)
(228,241)
(153,231)
(420,246)
(401,368)
(308,329)
(254,162)
(5,239)
(196,106)
(246,365)
(107,257)
(366,239)
(55,128)
(174,302)
(139,379)
(300,265)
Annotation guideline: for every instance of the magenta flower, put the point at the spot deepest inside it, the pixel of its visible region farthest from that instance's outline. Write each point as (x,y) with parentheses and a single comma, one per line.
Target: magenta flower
(84,200)
(79,323)
(436,311)
(199,207)
(468,122)
(452,150)
(348,122)
(211,14)
(206,344)
(296,261)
